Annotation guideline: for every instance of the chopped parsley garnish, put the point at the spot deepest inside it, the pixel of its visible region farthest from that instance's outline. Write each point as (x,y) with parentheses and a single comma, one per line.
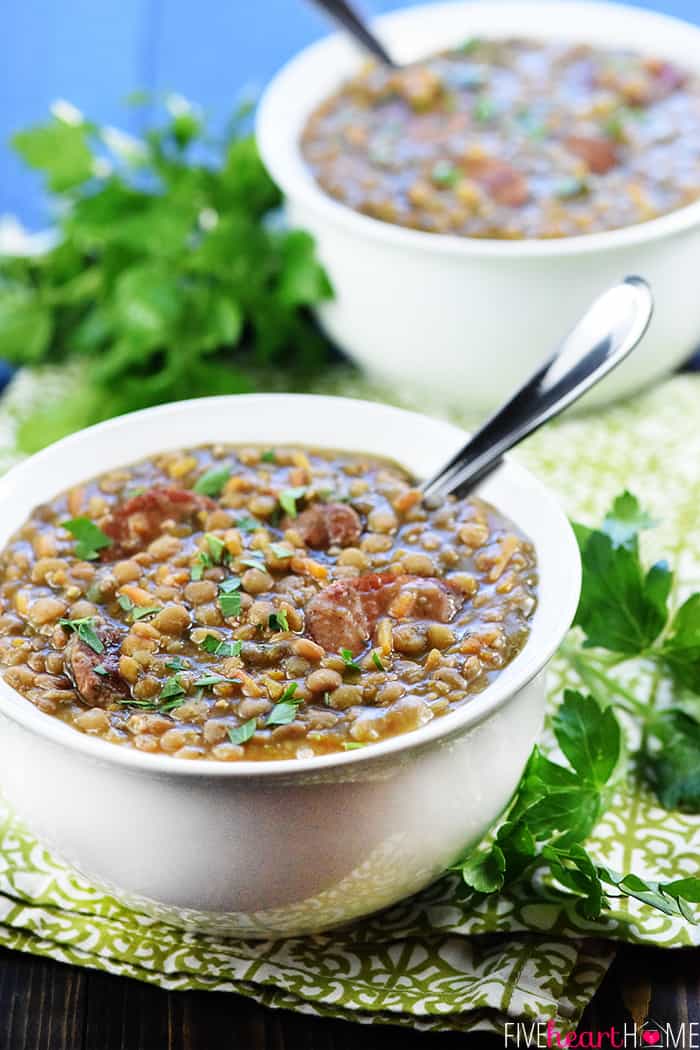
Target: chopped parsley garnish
(202,561)
(212,644)
(100,669)
(444,173)
(172,687)
(254,562)
(125,602)
(288,500)
(285,711)
(90,539)
(567,189)
(231,583)
(230,603)
(269,456)
(241,734)
(211,679)
(278,621)
(212,482)
(282,550)
(484,109)
(86,632)
(176,663)
(352,745)
(247,524)
(139,612)
(217,549)
(377,661)
(349,660)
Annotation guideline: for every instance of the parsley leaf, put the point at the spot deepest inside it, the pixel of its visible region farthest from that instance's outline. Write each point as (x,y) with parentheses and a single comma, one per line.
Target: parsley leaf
(246,524)
(285,710)
(212,482)
(176,663)
(212,644)
(681,650)
(590,738)
(90,539)
(139,612)
(625,520)
(217,549)
(142,288)
(674,766)
(377,661)
(621,607)
(241,734)
(350,661)
(282,550)
(211,679)
(86,632)
(278,621)
(269,456)
(288,499)
(172,687)
(230,604)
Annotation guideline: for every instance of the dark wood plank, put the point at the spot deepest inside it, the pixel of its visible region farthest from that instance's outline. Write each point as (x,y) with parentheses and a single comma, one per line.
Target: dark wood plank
(42,1004)
(48,1006)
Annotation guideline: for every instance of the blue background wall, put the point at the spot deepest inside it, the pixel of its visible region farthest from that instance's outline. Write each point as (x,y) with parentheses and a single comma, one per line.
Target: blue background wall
(94,52)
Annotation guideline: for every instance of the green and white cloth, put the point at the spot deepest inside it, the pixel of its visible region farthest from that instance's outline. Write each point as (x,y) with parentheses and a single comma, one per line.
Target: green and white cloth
(431,962)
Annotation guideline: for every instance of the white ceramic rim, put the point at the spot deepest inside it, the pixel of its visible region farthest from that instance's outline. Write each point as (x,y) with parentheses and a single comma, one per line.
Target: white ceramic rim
(285,163)
(536,653)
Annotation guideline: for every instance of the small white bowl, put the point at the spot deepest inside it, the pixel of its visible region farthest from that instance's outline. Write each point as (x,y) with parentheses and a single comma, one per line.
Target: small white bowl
(470,318)
(286,847)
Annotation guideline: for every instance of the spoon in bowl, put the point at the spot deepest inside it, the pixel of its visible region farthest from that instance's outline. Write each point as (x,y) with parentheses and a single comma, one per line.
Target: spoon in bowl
(609,330)
(346,16)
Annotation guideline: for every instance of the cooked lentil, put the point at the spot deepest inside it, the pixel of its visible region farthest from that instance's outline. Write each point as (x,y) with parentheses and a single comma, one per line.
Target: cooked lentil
(512,139)
(262,620)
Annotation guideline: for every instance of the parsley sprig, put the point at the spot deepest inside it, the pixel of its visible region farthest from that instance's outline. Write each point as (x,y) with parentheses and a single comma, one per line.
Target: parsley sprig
(89,538)
(625,612)
(167,279)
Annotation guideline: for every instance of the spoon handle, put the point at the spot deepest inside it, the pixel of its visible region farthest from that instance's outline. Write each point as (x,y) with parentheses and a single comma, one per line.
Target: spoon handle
(605,335)
(342,12)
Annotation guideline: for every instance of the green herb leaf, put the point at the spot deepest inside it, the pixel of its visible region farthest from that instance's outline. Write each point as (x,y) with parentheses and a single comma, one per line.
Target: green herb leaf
(100,669)
(217,647)
(230,584)
(621,608)
(230,604)
(349,660)
(588,736)
(674,767)
(86,632)
(377,661)
(172,687)
(90,539)
(625,520)
(288,692)
(278,621)
(246,524)
(253,562)
(445,173)
(211,679)
(288,500)
(681,649)
(125,602)
(217,548)
(212,482)
(176,663)
(282,714)
(352,745)
(484,109)
(241,734)
(269,456)
(140,612)
(282,550)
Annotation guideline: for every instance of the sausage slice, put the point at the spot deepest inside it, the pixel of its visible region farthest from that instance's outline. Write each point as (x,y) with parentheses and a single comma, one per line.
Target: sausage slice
(326,525)
(138,521)
(97,689)
(344,614)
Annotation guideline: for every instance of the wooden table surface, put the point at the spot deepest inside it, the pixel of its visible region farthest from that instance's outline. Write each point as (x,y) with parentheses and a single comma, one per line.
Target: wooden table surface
(49,1006)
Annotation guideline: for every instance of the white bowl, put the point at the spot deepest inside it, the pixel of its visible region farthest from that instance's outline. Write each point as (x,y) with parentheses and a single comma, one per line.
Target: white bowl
(470,318)
(283,847)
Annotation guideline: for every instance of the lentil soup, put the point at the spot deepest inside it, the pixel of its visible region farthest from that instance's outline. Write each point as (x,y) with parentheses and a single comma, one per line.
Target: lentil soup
(227,603)
(512,139)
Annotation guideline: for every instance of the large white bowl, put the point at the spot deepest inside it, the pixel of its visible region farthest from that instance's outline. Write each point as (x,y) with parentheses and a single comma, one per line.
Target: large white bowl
(277,848)
(470,318)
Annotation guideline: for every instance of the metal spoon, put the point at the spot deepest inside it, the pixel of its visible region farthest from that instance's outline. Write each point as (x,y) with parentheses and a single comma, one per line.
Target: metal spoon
(608,331)
(342,12)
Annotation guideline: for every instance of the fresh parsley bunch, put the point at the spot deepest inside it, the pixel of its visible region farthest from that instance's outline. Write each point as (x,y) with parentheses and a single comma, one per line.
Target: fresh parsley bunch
(170,276)
(624,613)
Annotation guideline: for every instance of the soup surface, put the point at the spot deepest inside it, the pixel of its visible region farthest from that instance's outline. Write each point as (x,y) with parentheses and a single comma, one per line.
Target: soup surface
(231,603)
(512,139)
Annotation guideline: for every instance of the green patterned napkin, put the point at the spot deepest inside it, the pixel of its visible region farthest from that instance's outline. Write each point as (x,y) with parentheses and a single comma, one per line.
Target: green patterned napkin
(430,962)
